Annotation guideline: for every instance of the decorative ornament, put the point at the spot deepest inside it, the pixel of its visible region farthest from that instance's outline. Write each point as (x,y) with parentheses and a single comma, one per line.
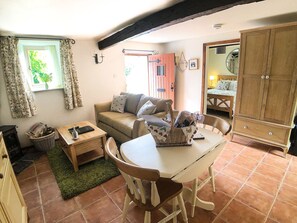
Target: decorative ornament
(182,63)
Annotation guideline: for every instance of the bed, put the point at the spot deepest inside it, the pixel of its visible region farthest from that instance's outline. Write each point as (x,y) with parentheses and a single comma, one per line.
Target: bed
(222,98)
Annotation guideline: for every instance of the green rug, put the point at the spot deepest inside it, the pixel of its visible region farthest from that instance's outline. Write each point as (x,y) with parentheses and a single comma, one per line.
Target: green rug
(88,176)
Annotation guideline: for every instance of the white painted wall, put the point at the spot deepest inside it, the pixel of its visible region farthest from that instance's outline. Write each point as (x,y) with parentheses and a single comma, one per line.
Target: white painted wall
(189,82)
(98,83)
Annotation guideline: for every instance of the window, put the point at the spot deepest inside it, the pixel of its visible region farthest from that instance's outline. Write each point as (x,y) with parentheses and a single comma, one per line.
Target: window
(40,61)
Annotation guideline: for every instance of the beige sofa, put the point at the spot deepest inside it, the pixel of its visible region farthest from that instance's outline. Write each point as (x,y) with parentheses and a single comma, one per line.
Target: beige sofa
(126,126)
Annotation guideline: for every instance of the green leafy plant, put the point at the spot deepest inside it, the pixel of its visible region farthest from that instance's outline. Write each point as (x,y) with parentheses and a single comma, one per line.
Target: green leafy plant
(45,77)
(38,69)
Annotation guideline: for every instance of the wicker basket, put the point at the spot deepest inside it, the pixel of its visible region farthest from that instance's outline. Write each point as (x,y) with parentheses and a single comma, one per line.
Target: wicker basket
(175,136)
(44,143)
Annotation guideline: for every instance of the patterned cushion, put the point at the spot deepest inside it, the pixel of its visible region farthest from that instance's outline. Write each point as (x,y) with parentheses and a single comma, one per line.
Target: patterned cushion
(118,103)
(223,85)
(146,109)
(233,86)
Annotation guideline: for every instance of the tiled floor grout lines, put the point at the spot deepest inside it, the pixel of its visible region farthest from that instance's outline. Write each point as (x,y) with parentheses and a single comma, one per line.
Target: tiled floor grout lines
(251,173)
(254,184)
(108,194)
(39,191)
(279,188)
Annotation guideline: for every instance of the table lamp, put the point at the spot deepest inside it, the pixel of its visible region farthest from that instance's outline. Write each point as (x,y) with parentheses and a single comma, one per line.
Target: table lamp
(211,78)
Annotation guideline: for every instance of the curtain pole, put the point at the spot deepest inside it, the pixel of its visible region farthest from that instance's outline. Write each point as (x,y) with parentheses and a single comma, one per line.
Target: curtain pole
(45,38)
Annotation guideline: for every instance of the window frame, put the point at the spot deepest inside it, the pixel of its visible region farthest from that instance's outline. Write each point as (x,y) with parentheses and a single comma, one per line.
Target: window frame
(53,46)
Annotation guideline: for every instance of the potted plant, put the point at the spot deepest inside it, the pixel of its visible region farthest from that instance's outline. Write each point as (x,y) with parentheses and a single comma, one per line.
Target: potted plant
(45,78)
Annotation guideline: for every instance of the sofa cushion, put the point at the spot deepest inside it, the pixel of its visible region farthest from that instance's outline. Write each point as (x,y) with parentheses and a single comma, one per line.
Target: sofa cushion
(118,103)
(122,122)
(132,102)
(160,103)
(124,125)
(146,109)
(109,117)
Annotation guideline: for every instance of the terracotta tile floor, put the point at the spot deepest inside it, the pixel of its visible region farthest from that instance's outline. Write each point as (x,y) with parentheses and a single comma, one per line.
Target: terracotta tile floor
(254,183)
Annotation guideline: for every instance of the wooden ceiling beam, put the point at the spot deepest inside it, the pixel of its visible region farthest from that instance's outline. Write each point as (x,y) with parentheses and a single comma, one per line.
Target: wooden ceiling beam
(180,12)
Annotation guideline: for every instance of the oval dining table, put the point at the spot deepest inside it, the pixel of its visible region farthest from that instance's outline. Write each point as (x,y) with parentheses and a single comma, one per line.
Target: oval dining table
(174,160)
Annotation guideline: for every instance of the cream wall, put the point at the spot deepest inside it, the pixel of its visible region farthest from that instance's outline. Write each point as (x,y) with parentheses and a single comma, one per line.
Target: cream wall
(98,83)
(189,82)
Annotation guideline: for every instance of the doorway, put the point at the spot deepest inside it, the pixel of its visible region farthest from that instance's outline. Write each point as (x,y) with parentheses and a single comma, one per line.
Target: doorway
(136,73)
(152,75)
(220,71)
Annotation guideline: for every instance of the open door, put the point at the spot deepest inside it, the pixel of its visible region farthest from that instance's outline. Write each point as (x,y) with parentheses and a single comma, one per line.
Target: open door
(161,76)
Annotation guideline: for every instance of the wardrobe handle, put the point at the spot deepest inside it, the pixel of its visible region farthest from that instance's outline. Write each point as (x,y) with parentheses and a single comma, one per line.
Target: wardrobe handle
(270,133)
(267,77)
(263,76)
(245,127)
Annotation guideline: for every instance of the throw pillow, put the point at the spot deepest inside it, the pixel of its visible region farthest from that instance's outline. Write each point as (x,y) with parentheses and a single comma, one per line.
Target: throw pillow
(233,86)
(118,103)
(146,109)
(223,85)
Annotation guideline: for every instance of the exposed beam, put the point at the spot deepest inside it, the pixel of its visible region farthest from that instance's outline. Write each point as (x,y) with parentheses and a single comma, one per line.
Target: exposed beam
(180,12)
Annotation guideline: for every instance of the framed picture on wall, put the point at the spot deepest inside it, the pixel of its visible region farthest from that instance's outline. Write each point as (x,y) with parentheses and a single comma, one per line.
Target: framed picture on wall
(193,64)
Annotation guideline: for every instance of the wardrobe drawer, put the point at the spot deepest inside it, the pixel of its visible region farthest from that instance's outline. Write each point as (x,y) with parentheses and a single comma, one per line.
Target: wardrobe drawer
(261,130)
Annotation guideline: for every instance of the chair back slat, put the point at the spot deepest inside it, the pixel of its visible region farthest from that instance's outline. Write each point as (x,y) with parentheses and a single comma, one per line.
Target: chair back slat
(135,176)
(217,123)
(131,185)
(140,190)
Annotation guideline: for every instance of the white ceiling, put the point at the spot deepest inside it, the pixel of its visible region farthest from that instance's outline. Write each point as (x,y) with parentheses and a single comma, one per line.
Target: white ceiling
(98,18)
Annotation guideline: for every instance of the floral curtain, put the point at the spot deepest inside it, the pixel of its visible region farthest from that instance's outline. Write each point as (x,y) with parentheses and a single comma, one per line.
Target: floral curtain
(72,94)
(20,96)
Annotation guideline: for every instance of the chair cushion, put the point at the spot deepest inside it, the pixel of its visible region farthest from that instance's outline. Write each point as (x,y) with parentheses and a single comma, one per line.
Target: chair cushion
(132,102)
(118,103)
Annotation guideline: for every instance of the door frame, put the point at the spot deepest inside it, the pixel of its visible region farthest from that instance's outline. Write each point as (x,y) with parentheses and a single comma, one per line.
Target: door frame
(204,75)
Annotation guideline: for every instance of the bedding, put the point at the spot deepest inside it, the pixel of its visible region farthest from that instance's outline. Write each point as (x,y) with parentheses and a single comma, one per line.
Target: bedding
(222,98)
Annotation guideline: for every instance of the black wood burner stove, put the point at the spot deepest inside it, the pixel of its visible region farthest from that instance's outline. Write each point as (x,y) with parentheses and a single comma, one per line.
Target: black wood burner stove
(12,142)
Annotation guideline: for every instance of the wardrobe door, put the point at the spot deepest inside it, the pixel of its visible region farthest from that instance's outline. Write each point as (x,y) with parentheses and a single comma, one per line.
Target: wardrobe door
(253,64)
(280,79)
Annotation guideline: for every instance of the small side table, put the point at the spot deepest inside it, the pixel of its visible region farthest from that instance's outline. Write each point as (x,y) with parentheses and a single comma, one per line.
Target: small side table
(12,142)
(89,146)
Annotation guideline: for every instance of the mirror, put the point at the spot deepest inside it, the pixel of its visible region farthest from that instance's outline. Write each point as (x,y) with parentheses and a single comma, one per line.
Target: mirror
(232,61)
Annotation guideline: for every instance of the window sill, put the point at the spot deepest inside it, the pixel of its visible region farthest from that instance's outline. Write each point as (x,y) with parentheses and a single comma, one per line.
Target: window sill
(43,90)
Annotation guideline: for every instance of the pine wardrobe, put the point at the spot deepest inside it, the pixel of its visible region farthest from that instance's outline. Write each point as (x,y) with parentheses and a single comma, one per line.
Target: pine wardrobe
(266,95)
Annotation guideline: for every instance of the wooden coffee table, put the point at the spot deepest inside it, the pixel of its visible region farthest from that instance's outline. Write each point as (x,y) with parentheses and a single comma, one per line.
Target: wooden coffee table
(89,146)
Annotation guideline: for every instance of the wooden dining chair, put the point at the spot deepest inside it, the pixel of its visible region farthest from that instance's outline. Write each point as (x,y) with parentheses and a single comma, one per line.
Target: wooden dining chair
(220,126)
(216,124)
(147,189)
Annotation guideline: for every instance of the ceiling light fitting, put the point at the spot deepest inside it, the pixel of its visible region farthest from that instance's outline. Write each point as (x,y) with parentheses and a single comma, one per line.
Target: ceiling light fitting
(217,26)
(97,61)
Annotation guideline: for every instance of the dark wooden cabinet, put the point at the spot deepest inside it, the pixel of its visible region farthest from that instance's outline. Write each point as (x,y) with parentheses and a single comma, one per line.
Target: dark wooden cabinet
(11,141)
